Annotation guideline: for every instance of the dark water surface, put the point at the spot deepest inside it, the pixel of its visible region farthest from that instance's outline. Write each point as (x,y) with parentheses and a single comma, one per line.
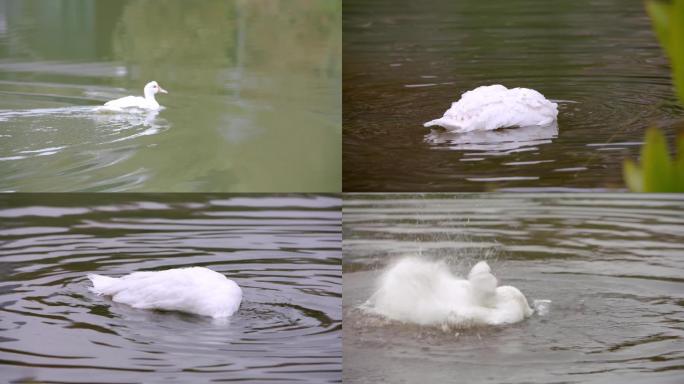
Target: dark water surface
(253,104)
(283,251)
(405,62)
(612,266)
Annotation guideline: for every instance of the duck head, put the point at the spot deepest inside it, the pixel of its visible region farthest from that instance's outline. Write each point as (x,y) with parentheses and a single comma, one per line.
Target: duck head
(152,88)
(483,284)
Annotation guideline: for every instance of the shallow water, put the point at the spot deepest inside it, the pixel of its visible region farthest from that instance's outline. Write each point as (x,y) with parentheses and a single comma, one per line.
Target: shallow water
(251,85)
(405,62)
(611,265)
(284,251)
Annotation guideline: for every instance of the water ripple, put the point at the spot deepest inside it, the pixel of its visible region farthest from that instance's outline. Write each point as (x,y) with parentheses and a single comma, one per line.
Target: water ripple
(396,78)
(283,251)
(611,264)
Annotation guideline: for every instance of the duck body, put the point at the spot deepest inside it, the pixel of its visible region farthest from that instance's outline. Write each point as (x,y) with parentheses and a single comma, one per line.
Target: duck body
(491,107)
(133,102)
(148,102)
(427,293)
(195,290)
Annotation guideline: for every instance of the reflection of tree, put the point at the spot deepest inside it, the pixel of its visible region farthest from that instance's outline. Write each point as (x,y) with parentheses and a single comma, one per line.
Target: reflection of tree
(176,39)
(212,34)
(58,29)
(298,33)
(264,71)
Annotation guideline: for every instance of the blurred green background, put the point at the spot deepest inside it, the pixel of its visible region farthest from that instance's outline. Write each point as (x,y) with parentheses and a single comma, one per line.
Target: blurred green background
(254,99)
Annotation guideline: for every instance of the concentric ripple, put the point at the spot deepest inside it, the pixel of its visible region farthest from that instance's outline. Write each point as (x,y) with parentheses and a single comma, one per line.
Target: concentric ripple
(611,266)
(283,251)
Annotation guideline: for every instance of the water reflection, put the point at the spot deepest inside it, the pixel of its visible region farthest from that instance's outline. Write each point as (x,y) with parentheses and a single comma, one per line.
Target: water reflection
(493,143)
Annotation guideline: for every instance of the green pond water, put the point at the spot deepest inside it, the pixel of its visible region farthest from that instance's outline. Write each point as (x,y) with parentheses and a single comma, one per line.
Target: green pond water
(253,104)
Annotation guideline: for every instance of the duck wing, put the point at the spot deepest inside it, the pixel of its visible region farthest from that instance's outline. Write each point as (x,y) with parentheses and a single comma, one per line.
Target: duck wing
(144,289)
(126,102)
(194,290)
(490,107)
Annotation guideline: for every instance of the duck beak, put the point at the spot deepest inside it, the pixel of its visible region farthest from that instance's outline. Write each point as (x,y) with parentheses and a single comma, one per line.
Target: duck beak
(162,90)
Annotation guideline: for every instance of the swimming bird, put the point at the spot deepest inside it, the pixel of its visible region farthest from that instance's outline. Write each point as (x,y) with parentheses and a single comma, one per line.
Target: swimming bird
(427,293)
(195,290)
(495,106)
(147,102)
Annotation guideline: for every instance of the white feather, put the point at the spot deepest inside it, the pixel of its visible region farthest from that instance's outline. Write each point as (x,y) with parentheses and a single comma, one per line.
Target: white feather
(195,290)
(427,293)
(147,102)
(495,106)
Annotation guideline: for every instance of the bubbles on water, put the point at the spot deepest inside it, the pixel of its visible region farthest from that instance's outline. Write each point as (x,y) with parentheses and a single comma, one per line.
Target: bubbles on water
(541,306)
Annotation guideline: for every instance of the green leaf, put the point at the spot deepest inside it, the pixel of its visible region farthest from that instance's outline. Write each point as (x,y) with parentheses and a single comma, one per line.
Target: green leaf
(668,23)
(676,50)
(656,165)
(632,176)
(658,173)
(679,163)
(660,11)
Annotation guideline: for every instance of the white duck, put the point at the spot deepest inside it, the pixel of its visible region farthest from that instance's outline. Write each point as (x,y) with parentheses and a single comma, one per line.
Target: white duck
(147,102)
(426,293)
(195,290)
(495,106)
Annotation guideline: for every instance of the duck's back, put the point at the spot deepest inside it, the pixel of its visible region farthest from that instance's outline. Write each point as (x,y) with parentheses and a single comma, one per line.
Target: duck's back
(491,107)
(132,102)
(511,306)
(126,102)
(195,290)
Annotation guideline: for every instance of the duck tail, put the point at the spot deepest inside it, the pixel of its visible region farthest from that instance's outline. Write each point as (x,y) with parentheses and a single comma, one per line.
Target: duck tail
(101,284)
(431,123)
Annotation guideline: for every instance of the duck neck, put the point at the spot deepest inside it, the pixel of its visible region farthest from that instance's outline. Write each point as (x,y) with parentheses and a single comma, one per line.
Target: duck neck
(149,95)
